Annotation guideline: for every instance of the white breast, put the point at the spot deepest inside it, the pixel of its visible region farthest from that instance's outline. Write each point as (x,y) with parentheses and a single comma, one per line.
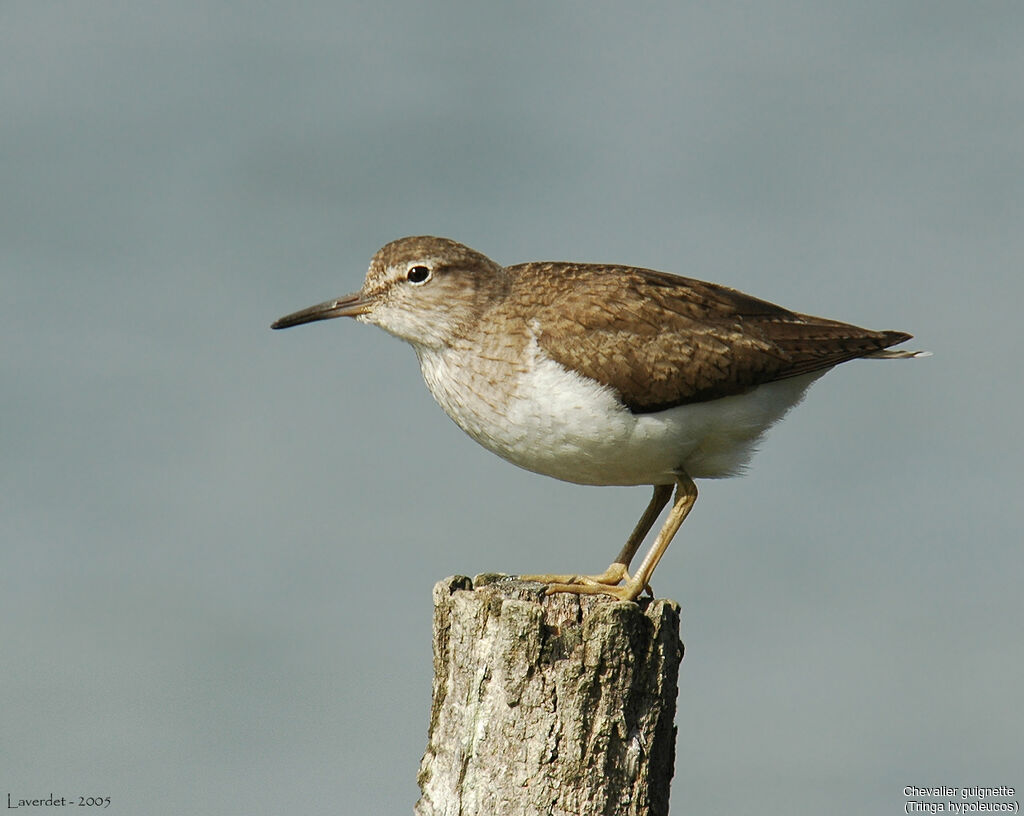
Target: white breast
(551,420)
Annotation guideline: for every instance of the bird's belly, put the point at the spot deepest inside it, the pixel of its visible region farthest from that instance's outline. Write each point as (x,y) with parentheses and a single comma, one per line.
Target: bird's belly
(553,421)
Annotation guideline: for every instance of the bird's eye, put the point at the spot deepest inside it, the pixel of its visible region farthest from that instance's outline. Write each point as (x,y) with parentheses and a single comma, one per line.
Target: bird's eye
(417,274)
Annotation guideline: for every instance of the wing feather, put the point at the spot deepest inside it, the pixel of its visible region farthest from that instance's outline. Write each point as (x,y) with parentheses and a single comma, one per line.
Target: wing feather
(660,340)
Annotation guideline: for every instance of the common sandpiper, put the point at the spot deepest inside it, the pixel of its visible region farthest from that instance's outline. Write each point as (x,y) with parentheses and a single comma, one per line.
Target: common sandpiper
(600,374)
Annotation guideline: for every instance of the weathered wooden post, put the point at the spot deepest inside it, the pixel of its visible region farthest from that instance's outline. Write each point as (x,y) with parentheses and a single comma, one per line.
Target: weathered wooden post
(558,705)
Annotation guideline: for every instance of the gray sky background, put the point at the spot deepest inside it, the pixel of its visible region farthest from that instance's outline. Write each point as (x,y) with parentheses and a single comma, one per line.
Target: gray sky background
(217,542)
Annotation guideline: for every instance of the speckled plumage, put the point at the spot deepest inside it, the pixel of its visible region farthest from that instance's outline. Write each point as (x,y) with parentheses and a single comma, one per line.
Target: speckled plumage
(661,340)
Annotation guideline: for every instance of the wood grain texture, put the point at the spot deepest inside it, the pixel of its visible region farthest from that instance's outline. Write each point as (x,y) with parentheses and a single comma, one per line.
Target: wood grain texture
(559,705)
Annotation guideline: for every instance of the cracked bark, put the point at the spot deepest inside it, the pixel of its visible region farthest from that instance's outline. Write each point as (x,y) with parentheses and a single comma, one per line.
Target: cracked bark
(556,705)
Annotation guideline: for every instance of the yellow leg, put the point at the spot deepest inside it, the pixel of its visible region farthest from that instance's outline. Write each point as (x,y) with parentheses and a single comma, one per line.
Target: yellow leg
(617,570)
(686,495)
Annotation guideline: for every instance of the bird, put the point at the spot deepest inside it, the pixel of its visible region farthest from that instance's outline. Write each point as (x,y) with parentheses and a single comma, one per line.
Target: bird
(600,374)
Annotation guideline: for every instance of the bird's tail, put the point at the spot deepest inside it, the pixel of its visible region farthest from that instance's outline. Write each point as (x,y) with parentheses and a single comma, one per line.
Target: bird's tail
(896,354)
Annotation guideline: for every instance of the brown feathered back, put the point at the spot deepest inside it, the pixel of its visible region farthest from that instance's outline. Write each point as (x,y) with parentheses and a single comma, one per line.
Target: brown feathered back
(693,341)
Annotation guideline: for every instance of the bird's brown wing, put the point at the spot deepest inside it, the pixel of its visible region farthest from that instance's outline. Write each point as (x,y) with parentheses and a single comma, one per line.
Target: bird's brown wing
(660,340)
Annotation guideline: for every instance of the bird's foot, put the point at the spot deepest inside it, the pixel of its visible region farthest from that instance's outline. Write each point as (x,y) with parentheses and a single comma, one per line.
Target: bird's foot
(628,591)
(607,583)
(610,577)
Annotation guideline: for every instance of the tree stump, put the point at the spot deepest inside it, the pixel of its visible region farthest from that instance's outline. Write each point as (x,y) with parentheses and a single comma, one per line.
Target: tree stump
(558,705)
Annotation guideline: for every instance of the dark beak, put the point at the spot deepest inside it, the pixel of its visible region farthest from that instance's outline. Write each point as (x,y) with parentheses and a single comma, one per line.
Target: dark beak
(347,306)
